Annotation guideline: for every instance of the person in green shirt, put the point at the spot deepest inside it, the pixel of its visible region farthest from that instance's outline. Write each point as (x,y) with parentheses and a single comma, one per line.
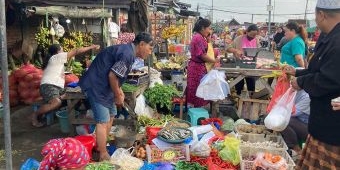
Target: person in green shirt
(293,53)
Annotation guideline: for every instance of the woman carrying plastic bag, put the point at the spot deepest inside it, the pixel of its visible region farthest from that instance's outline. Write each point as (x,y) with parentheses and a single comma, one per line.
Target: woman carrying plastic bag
(278,118)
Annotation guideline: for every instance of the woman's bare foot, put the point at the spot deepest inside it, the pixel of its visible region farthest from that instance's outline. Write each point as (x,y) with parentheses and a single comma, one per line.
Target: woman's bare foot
(35,121)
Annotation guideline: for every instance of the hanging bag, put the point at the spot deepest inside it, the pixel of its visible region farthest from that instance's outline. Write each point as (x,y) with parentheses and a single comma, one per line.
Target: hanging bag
(279,116)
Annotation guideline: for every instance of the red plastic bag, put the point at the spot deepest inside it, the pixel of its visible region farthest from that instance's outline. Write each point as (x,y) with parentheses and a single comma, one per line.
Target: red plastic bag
(151,133)
(283,84)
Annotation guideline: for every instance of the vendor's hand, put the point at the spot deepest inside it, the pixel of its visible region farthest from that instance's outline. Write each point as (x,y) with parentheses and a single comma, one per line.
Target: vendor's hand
(289,70)
(336,105)
(95,47)
(294,84)
(238,53)
(119,100)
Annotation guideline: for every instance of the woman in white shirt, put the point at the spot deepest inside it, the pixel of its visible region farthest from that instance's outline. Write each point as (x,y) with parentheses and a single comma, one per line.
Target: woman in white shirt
(53,80)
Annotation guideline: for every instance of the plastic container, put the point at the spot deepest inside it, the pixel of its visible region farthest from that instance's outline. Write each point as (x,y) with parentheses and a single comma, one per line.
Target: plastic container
(253,138)
(88,141)
(63,121)
(251,152)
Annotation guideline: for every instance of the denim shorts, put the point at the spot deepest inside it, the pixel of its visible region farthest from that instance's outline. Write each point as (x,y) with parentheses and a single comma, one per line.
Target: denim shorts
(101,113)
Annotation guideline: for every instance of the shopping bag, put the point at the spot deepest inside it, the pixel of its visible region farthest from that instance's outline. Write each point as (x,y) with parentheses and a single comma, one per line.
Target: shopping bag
(279,116)
(210,54)
(213,86)
(281,87)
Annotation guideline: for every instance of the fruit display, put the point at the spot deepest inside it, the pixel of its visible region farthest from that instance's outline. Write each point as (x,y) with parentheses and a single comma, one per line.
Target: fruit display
(173,31)
(174,62)
(43,37)
(76,39)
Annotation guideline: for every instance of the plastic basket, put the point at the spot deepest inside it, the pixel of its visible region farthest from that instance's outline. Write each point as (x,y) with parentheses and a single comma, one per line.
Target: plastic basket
(251,151)
(253,139)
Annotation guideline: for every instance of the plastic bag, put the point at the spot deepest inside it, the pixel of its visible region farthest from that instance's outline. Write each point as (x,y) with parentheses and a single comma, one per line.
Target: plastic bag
(230,152)
(269,161)
(123,158)
(200,148)
(151,133)
(281,87)
(279,116)
(210,54)
(142,108)
(213,86)
(30,164)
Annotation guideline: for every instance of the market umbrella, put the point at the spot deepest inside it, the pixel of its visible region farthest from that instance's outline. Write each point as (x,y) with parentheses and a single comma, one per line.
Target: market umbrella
(137,16)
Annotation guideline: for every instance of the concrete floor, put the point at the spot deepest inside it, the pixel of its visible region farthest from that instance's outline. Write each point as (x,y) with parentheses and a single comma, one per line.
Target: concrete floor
(27,141)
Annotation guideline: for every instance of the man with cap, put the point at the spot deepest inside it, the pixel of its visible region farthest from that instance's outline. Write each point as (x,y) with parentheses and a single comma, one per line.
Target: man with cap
(321,80)
(103,80)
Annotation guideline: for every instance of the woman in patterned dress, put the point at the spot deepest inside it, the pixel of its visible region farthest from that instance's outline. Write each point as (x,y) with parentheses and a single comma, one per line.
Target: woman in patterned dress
(196,66)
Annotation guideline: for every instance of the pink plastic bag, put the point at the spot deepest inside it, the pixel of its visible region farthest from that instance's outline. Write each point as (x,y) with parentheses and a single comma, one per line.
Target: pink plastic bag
(278,118)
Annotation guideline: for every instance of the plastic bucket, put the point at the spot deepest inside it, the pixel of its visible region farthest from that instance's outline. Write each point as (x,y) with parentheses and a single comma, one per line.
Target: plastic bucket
(63,121)
(88,141)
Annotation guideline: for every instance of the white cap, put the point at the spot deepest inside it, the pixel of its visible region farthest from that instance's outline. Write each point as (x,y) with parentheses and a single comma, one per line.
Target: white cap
(328,4)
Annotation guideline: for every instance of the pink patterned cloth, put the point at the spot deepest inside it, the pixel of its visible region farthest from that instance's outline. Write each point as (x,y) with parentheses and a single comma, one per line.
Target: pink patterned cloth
(196,69)
(125,38)
(64,153)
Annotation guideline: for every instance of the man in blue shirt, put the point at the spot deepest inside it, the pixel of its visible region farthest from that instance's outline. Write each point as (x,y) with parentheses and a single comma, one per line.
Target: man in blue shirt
(102,83)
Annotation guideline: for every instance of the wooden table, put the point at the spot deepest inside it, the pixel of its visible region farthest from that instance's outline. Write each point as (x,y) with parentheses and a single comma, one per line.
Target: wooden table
(75,95)
(241,73)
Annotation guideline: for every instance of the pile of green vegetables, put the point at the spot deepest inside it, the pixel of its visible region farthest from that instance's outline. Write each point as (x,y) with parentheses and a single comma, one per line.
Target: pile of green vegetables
(129,88)
(161,95)
(145,121)
(100,166)
(182,165)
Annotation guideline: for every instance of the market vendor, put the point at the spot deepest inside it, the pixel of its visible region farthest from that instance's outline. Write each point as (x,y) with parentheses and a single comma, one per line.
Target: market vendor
(248,40)
(196,67)
(53,79)
(296,130)
(294,52)
(321,81)
(103,80)
(64,154)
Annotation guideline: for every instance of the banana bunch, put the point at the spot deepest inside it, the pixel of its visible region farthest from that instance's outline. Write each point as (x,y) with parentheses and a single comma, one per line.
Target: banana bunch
(173,31)
(42,37)
(88,39)
(78,38)
(178,59)
(77,68)
(68,44)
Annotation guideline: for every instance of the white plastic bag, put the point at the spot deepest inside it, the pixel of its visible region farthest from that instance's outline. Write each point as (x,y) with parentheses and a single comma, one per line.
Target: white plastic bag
(142,108)
(279,117)
(213,86)
(155,76)
(200,148)
(123,158)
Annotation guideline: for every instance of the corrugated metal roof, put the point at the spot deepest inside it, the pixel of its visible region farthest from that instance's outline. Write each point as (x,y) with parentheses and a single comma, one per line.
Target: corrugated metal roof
(80,3)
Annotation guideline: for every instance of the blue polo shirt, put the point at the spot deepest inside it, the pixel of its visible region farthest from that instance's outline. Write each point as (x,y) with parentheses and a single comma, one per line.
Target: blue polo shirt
(119,60)
(293,47)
